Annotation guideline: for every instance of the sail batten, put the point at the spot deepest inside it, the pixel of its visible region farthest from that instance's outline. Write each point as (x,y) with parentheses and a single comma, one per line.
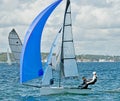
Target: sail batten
(68,25)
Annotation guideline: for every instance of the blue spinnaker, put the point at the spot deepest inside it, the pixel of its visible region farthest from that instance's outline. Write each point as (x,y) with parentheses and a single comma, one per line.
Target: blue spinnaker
(30,63)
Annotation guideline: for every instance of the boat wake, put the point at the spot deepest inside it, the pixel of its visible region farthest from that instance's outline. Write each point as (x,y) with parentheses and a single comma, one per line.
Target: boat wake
(113,91)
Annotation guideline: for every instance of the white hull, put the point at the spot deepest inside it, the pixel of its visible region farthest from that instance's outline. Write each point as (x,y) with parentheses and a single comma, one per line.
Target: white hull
(62,90)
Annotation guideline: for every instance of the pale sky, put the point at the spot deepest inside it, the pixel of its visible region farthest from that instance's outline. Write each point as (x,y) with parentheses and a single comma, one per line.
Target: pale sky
(96,23)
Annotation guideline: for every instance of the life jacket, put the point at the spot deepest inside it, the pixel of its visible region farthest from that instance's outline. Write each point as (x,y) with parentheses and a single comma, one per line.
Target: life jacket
(93,81)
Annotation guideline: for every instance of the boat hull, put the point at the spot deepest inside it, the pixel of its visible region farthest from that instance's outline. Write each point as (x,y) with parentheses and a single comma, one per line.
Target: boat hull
(62,90)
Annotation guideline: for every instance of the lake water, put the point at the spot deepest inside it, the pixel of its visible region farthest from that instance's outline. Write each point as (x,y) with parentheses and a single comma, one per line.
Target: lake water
(107,87)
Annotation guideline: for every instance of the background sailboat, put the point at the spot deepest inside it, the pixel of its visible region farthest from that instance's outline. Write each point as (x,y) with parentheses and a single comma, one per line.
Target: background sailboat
(9,62)
(15,45)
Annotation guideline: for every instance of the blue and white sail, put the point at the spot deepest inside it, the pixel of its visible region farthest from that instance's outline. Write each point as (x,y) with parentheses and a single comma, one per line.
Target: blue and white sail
(30,64)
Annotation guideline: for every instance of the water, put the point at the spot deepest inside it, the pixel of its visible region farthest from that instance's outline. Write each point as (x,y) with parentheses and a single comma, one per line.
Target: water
(107,87)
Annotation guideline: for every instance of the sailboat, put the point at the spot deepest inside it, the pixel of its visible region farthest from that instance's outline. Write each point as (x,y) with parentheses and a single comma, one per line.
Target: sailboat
(15,45)
(8,58)
(31,65)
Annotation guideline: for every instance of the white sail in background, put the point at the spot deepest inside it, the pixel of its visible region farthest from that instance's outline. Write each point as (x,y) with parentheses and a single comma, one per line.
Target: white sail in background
(68,59)
(8,58)
(15,45)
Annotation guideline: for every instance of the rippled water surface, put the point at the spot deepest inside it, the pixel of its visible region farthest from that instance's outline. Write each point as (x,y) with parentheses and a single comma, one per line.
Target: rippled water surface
(107,87)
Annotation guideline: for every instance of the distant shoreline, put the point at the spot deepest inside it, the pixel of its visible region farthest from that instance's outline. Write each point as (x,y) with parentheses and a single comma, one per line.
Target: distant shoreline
(80,58)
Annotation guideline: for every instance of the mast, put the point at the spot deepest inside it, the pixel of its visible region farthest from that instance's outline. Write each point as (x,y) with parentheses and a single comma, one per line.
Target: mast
(68,66)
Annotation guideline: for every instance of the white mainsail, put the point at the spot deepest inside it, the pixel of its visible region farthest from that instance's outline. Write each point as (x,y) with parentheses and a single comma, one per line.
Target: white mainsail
(15,45)
(68,59)
(8,58)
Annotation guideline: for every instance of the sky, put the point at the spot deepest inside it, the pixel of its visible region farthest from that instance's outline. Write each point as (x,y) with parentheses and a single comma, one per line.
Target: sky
(96,24)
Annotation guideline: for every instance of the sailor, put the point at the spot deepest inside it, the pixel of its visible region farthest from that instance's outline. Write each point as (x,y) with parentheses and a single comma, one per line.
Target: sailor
(86,82)
(93,80)
(84,85)
(51,81)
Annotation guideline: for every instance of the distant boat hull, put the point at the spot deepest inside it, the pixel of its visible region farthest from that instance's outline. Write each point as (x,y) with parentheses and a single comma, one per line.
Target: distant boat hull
(62,90)
(8,58)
